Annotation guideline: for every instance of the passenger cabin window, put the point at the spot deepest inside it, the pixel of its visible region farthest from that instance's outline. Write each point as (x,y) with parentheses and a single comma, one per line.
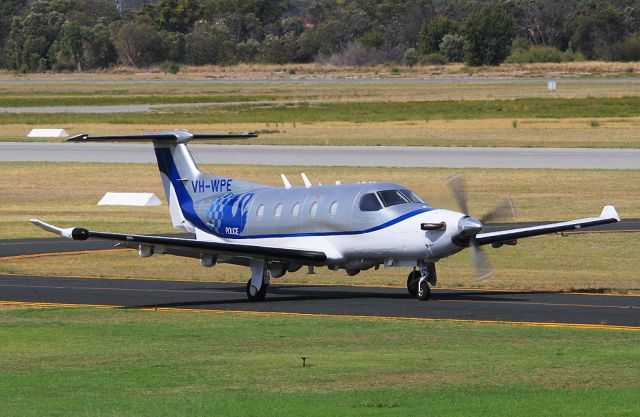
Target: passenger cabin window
(369,202)
(260,211)
(278,211)
(333,209)
(313,210)
(295,210)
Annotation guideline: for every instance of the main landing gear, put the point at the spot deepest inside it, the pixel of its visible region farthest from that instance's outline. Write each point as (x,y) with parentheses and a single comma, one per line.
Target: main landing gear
(419,280)
(260,279)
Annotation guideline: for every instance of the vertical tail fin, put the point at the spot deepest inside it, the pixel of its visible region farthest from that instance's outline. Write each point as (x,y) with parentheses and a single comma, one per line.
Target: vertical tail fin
(184,184)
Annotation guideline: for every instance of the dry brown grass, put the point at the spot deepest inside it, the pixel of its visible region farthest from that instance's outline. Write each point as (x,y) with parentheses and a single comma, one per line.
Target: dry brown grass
(611,133)
(269,71)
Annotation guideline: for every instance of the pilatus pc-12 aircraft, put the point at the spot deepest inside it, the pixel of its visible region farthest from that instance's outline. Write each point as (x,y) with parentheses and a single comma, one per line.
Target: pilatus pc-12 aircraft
(275,230)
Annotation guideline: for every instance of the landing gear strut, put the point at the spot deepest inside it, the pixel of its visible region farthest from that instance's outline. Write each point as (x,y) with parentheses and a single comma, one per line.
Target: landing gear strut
(419,279)
(257,285)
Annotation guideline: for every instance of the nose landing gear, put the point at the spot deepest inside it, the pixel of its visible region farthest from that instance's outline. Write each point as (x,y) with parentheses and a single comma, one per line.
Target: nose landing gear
(418,280)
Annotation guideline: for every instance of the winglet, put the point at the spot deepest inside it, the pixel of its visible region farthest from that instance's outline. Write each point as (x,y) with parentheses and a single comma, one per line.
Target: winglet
(609,212)
(75,233)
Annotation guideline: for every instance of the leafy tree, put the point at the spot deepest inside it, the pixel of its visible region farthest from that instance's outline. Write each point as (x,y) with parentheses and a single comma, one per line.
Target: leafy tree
(177,15)
(489,32)
(8,9)
(138,44)
(453,47)
(31,37)
(67,51)
(433,32)
(173,44)
(542,21)
(595,28)
(210,44)
(98,48)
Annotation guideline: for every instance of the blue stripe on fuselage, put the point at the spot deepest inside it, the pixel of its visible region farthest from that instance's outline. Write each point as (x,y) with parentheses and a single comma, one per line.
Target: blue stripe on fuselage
(168,167)
(349,232)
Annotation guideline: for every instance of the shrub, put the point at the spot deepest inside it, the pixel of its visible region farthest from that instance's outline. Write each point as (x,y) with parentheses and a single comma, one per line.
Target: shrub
(435,59)
(628,51)
(542,54)
(410,57)
(170,67)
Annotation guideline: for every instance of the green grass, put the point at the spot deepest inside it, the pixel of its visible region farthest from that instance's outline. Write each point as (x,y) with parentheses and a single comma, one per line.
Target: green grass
(57,362)
(359,112)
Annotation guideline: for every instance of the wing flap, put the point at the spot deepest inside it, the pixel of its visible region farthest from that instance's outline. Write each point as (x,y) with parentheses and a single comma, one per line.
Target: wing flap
(192,245)
(608,215)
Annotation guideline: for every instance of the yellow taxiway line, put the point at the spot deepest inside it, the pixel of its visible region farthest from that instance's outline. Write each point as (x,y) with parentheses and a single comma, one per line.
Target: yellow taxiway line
(343,316)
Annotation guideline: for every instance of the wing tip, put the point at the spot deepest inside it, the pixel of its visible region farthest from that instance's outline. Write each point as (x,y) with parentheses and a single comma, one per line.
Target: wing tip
(610,212)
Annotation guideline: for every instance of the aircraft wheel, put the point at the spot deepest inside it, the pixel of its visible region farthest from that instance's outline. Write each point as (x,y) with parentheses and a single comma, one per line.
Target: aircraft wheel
(412,283)
(256,296)
(424,291)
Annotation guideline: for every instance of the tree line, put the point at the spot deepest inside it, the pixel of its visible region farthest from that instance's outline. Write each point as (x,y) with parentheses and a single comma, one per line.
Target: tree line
(77,35)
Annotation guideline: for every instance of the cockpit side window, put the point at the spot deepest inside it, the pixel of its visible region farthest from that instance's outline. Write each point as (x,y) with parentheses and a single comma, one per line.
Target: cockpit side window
(369,202)
(392,197)
(412,196)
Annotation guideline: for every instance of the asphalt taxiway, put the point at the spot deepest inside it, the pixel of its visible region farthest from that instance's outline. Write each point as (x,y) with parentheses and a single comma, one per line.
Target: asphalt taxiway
(376,156)
(541,308)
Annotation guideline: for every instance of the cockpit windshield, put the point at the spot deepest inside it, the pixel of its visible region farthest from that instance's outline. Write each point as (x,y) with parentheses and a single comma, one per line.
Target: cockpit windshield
(371,201)
(393,197)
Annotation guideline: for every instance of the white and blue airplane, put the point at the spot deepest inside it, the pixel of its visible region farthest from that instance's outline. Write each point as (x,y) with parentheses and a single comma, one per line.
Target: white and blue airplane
(275,230)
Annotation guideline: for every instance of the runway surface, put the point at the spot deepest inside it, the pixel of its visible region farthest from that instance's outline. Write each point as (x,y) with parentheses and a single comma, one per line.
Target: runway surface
(468,305)
(383,156)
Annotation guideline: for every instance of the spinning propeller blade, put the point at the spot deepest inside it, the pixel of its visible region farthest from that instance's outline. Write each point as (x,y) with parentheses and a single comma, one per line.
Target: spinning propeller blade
(458,186)
(470,227)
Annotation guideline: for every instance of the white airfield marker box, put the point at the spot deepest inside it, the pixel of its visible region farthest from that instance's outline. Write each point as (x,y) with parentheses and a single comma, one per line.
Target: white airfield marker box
(48,133)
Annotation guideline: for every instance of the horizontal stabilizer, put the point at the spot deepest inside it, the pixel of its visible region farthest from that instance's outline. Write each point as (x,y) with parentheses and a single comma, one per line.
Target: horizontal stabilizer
(177,136)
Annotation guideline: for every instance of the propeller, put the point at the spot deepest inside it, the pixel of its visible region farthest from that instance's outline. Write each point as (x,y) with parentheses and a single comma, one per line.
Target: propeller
(470,226)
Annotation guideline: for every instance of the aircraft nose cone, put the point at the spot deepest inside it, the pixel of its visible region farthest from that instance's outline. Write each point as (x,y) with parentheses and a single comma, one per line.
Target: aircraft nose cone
(469,226)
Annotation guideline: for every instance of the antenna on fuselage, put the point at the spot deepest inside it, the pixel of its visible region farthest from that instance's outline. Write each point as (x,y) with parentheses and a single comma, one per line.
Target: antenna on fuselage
(307,183)
(286,182)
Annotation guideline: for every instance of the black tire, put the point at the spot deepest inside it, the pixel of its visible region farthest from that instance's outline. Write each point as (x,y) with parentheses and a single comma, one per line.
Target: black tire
(412,283)
(262,293)
(424,292)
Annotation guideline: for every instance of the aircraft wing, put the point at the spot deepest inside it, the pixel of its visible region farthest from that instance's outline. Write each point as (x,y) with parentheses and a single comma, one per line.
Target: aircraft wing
(608,215)
(191,247)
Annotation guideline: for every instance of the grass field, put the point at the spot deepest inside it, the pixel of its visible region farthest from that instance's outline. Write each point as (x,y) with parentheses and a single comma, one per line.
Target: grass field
(596,113)
(609,132)
(106,362)
(595,261)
